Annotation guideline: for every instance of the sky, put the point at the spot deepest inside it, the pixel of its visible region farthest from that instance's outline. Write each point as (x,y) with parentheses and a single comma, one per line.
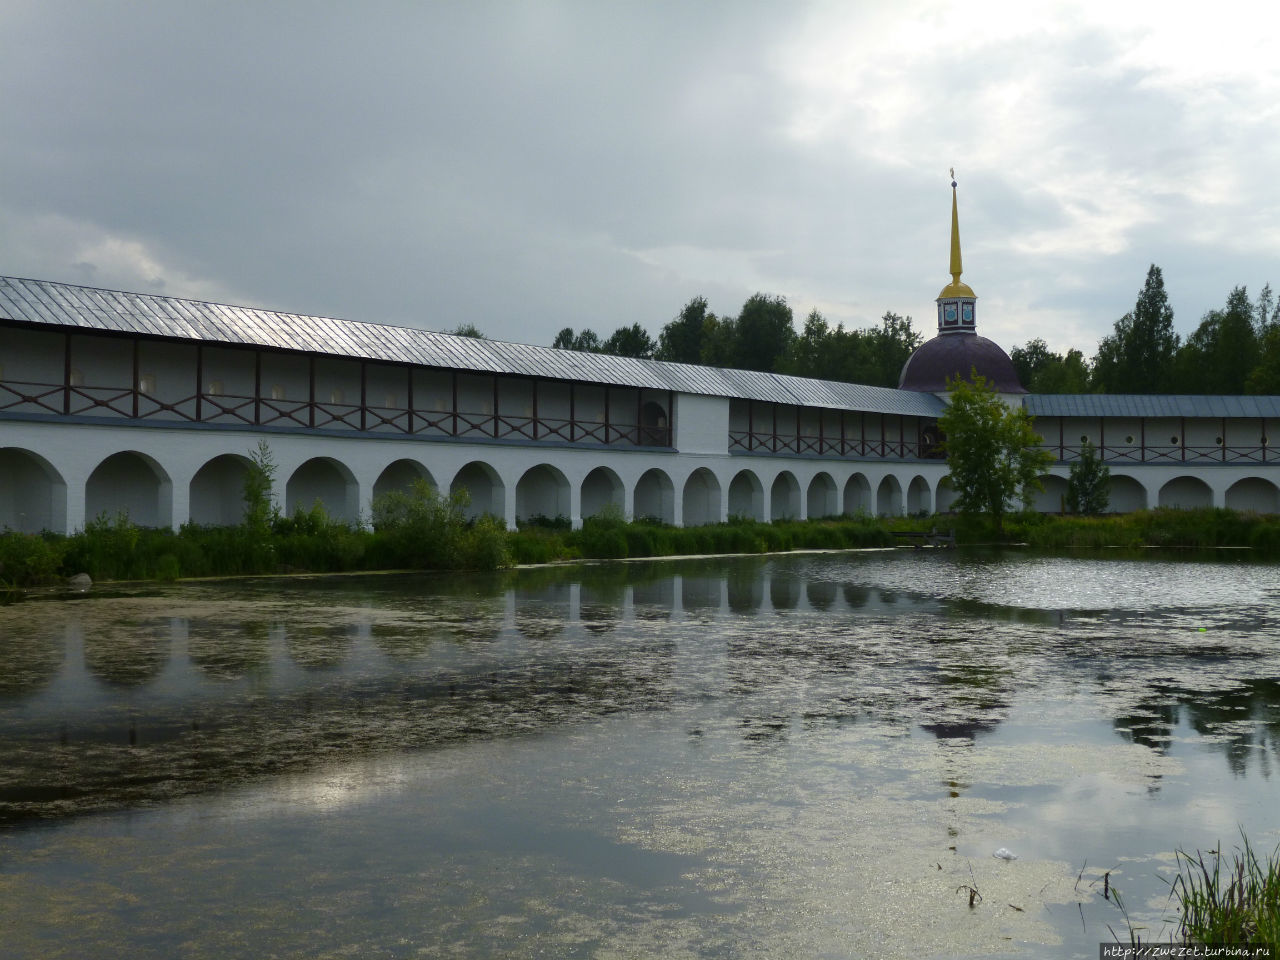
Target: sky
(527,166)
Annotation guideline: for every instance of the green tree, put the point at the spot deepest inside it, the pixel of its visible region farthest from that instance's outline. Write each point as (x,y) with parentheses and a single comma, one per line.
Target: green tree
(633,341)
(763,332)
(681,340)
(1265,377)
(1089,483)
(588,341)
(257,490)
(1031,359)
(1069,374)
(468,330)
(1222,352)
(993,455)
(890,346)
(1138,357)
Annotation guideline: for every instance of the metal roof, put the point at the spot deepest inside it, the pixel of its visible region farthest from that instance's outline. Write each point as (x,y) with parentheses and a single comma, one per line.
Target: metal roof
(67,305)
(1149,405)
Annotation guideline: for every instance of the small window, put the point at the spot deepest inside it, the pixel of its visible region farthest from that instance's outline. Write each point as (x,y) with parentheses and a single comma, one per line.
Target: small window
(147,383)
(1174,441)
(1129,438)
(277,391)
(390,399)
(77,378)
(1219,441)
(215,388)
(337,396)
(1084,438)
(1264,441)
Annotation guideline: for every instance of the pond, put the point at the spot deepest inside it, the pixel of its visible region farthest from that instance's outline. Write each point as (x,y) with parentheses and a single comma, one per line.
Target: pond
(811,755)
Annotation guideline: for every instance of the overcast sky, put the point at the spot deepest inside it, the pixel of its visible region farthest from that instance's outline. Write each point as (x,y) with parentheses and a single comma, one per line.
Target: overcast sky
(526,166)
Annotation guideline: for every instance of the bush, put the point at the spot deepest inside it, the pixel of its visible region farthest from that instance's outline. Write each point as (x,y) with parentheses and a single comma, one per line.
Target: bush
(28,560)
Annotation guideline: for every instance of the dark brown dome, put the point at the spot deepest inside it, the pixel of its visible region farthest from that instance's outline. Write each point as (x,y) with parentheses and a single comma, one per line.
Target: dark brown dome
(958,355)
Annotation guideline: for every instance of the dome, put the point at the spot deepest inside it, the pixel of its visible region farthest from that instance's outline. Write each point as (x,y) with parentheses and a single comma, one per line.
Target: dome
(958,355)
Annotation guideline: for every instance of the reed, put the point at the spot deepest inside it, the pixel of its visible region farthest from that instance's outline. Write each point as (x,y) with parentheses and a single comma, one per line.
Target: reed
(1233,900)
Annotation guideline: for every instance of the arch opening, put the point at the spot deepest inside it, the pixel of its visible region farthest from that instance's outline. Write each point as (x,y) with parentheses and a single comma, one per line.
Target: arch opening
(655,497)
(33,495)
(602,490)
(822,500)
(857,495)
(129,484)
(1253,493)
(542,496)
(217,491)
(325,482)
(1185,493)
(701,503)
(746,496)
(484,488)
(889,497)
(784,497)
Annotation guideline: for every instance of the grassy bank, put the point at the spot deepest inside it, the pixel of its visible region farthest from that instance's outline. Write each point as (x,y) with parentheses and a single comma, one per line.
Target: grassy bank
(1233,900)
(421,531)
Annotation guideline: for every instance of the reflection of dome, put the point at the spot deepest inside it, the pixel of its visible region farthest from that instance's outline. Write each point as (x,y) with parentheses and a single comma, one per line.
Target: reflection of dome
(958,355)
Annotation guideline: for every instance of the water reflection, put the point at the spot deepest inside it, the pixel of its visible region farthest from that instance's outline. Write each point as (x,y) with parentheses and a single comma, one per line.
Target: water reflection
(31,659)
(129,652)
(241,681)
(228,651)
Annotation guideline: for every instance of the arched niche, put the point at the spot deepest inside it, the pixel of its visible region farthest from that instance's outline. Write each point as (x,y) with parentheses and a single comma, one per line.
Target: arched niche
(822,499)
(701,504)
(484,488)
(655,496)
(602,489)
(129,484)
(323,481)
(889,497)
(217,491)
(543,492)
(33,495)
(784,497)
(857,495)
(1253,493)
(919,497)
(746,496)
(1185,493)
(399,476)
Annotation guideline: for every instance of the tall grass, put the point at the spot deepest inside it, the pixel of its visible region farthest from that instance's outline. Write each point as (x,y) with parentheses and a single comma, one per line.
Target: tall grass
(1235,901)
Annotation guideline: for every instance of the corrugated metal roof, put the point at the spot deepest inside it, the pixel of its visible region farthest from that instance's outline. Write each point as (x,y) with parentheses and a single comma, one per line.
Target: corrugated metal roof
(1149,405)
(67,305)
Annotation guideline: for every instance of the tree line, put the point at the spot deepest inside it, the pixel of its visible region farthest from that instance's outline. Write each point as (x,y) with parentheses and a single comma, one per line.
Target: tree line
(1234,350)
(763,337)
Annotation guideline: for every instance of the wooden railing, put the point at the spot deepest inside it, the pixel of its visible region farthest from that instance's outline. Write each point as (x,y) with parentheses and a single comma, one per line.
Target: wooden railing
(1166,453)
(803,444)
(17,397)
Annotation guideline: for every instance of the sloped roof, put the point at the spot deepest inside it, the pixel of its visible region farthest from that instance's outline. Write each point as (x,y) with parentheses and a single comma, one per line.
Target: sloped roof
(1149,405)
(65,305)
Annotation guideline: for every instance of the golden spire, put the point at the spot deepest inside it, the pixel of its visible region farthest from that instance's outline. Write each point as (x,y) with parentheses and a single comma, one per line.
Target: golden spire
(956,267)
(955,288)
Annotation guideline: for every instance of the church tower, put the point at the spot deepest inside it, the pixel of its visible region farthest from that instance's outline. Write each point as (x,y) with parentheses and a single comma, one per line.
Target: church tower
(957,352)
(957,301)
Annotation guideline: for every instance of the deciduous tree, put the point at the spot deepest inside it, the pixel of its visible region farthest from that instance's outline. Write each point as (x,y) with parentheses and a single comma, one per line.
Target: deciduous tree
(994,455)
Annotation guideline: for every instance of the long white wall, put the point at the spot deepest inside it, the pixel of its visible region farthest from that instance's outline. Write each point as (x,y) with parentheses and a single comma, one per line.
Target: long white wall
(56,475)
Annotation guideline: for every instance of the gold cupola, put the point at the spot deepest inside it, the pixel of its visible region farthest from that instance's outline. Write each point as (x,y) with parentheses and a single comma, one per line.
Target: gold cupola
(957,301)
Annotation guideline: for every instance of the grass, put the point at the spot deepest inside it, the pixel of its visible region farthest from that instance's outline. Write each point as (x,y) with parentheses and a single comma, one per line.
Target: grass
(420,530)
(1235,900)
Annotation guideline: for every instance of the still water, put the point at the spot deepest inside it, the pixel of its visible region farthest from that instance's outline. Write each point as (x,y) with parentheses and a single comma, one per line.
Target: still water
(801,756)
